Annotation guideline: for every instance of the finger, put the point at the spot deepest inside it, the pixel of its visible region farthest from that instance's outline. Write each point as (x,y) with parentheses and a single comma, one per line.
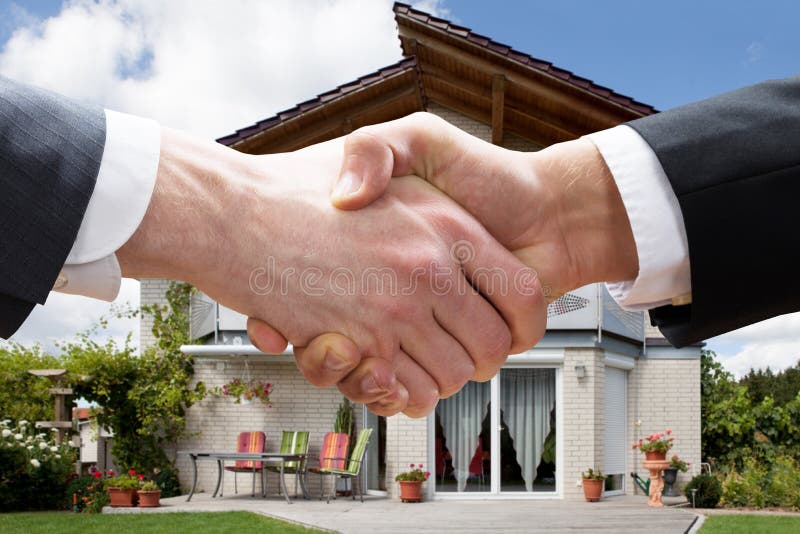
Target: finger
(441,356)
(372,381)
(416,144)
(423,392)
(264,337)
(328,359)
(510,286)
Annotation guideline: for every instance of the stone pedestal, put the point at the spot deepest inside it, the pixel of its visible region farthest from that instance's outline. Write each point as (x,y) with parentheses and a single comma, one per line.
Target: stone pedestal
(656,480)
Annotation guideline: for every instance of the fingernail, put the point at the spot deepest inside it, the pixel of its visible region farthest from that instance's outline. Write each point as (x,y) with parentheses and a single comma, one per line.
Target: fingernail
(369,386)
(349,183)
(334,362)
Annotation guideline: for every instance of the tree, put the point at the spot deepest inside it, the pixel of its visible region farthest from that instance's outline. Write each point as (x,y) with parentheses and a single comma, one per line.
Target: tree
(23,395)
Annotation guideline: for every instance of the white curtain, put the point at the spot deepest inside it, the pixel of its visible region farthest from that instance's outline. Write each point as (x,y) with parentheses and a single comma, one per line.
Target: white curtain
(527,396)
(461,416)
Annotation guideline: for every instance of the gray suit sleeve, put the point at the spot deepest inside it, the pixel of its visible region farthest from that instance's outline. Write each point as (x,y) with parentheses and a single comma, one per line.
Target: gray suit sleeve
(50,153)
(734,164)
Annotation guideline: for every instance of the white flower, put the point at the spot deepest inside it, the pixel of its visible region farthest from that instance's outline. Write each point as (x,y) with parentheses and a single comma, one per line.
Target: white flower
(18,437)
(53,449)
(23,422)
(58,456)
(6,432)
(42,445)
(35,463)
(30,447)
(53,430)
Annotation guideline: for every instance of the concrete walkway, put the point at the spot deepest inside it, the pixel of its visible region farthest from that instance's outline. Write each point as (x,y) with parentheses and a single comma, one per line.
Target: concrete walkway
(624,514)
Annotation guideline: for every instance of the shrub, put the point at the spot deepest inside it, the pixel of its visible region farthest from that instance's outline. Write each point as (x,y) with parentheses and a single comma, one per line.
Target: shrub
(783,485)
(167,480)
(34,471)
(709,491)
(90,495)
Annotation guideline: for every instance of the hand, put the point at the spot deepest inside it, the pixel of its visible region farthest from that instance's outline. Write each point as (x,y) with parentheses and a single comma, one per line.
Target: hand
(558,210)
(258,234)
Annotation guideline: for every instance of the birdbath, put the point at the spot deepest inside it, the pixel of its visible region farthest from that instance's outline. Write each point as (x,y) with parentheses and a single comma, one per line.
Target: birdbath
(656,480)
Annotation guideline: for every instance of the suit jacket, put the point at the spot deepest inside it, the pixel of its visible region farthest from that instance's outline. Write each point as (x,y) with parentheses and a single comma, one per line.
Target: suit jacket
(50,152)
(734,164)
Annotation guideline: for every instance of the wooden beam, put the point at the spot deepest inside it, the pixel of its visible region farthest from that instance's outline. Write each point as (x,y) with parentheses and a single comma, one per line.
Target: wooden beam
(297,133)
(561,93)
(498,104)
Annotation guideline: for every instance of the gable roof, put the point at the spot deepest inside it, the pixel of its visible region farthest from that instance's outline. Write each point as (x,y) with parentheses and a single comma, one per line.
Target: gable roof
(405,11)
(461,70)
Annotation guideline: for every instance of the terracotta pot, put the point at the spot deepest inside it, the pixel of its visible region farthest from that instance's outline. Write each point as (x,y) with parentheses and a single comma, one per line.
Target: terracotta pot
(122,498)
(592,489)
(410,491)
(655,455)
(149,499)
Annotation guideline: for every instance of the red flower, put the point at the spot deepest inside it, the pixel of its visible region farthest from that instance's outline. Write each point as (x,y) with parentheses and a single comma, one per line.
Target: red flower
(111,473)
(141,477)
(411,466)
(132,472)
(420,466)
(97,474)
(427,474)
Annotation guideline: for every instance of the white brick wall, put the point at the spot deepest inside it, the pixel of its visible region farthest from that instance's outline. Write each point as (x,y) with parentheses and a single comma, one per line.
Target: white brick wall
(296,405)
(666,394)
(406,443)
(151,291)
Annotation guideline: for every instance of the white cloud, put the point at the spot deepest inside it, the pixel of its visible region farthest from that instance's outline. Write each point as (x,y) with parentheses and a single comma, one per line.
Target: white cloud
(204,66)
(754,52)
(774,343)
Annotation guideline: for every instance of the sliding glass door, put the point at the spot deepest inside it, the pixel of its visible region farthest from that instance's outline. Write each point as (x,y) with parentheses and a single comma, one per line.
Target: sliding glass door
(498,436)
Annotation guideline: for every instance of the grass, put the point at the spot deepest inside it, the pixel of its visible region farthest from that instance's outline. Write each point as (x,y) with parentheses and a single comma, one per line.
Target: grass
(751,524)
(67,523)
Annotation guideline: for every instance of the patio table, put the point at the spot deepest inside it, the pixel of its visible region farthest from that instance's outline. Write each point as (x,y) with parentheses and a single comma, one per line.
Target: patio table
(264,457)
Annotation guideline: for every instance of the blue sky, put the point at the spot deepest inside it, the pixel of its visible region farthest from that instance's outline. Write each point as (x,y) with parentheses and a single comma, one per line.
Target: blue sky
(216,66)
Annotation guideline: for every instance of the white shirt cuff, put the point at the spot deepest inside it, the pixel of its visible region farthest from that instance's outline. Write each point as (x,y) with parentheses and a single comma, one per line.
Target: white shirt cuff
(121,195)
(656,220)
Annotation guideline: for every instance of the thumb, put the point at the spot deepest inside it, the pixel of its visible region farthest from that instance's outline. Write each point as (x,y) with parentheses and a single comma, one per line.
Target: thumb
(367,167)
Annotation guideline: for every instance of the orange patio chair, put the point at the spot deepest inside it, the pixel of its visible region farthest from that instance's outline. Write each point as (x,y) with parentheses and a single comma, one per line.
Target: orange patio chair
(333,455)
(249,442)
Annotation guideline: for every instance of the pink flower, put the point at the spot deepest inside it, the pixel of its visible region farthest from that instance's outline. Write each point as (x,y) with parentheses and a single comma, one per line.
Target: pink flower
(427,474)
(420,466)
(669,431)
(411,466)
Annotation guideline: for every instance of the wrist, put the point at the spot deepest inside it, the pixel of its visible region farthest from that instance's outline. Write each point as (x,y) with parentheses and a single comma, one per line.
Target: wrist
(589,212)
(184,221)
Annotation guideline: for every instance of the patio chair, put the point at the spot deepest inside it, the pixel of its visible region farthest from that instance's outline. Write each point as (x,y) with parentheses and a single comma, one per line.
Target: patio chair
(354,463)
(292,442)
(249,442)
(332,455)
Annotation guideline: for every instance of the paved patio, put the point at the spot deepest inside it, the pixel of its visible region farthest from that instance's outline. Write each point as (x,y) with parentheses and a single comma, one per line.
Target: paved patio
(624,514)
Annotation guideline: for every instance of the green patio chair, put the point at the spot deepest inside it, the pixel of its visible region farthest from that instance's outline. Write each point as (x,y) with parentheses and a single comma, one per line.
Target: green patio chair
(353,468)
(293,442)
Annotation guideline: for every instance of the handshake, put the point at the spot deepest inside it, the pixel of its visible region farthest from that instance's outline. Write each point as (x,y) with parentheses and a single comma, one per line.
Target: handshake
(400,261)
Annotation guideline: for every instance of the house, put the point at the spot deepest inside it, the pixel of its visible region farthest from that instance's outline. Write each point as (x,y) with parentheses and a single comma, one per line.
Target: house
(95,443)
(601,377)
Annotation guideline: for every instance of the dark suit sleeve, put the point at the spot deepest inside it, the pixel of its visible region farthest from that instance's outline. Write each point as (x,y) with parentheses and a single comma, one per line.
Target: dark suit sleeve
(734,164)
(50,152)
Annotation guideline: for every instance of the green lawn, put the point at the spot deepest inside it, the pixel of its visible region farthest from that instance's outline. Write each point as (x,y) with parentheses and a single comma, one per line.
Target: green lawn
(751,524)
(66,523)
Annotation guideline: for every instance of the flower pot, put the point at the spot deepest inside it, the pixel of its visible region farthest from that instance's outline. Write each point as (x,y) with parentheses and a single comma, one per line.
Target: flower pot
(655,455)
(592,489)
(670,477)
(122,498)
(410,491)
(149,499)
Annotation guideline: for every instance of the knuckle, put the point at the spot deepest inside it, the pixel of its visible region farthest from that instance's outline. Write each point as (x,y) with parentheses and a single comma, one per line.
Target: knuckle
(422,403)
(457,376)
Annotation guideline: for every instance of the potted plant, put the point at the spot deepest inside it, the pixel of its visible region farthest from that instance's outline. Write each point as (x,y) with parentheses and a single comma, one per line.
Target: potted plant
(655,446)
(149,495)
(671,475)
(411,483)
(122,489)
(344,425)
(593,482)
(244,392)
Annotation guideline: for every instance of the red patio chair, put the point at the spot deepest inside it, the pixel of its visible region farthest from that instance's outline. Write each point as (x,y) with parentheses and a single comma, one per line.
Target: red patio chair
(332,455)
(249,442)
